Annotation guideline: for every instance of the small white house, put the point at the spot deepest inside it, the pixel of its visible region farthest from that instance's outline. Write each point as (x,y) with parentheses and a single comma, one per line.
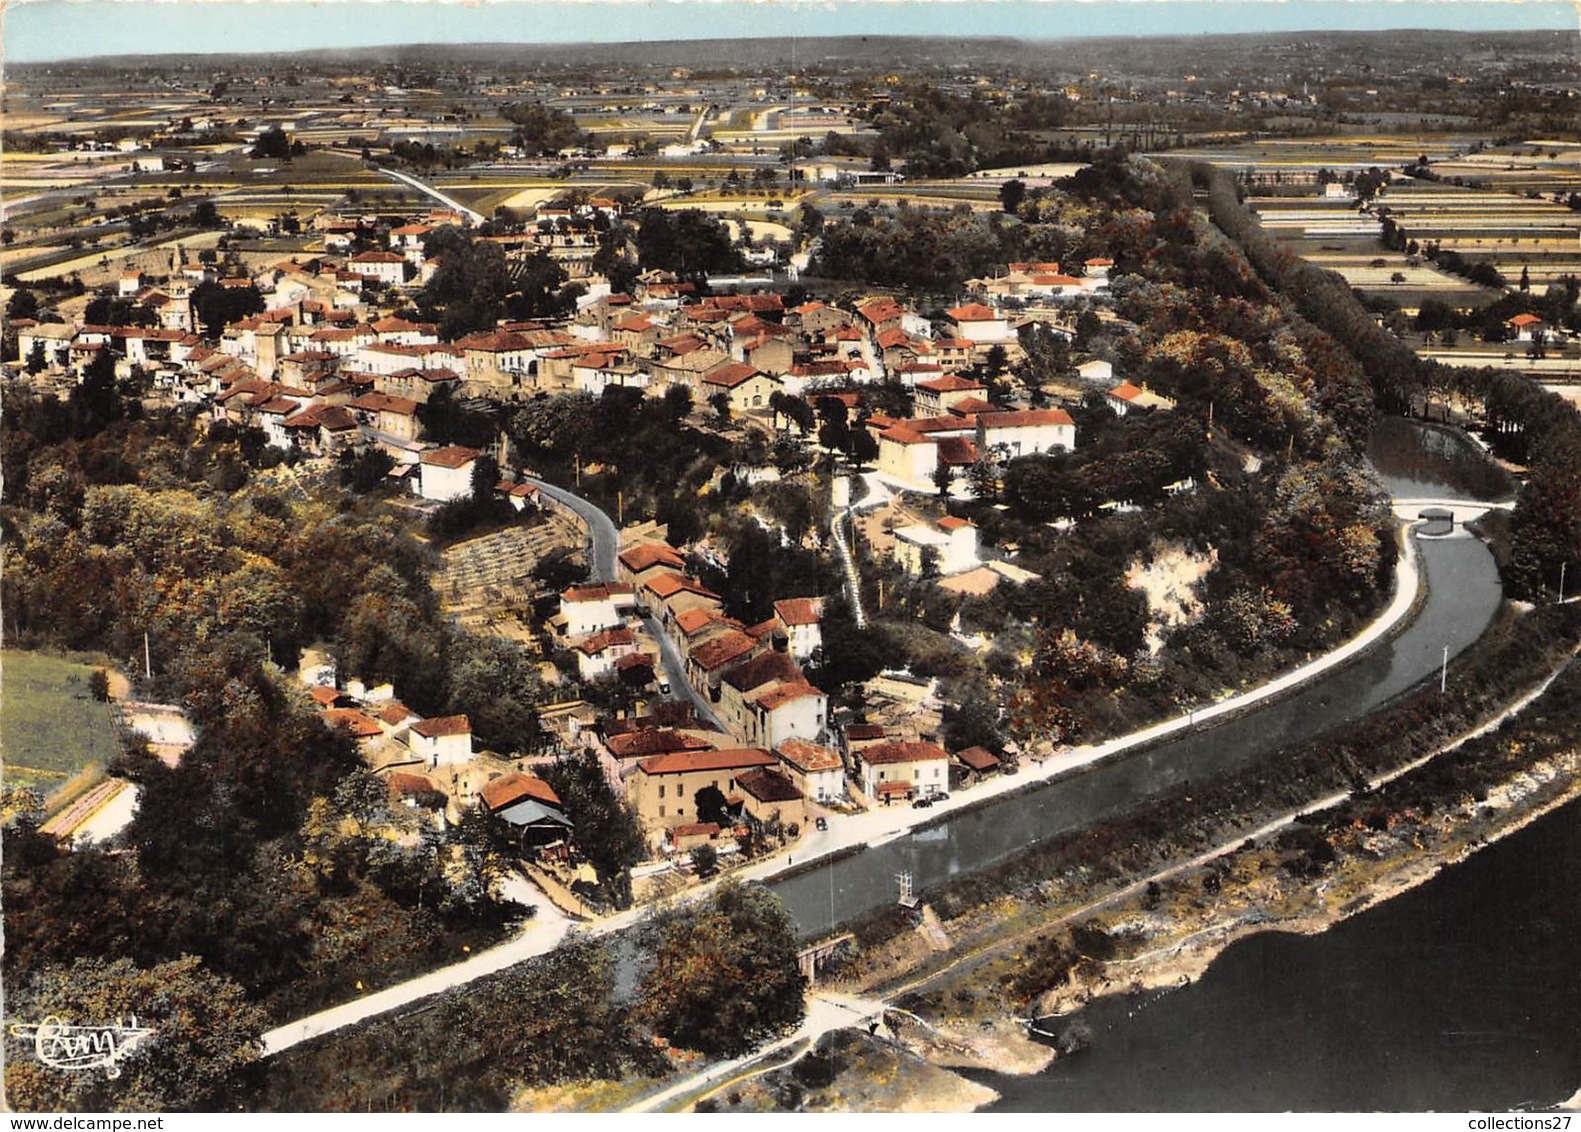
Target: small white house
(978,323)
(445,740)
(802,620)
(815,769)
(446,473)
(588,609)
(890,771)
(950,547)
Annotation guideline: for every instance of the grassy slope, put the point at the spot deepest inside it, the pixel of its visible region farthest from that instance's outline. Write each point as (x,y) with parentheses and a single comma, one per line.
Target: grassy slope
(50,726)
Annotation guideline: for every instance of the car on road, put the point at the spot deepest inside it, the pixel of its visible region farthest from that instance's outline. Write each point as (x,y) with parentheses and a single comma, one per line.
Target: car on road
(922,803)
(821,824)
(664,687)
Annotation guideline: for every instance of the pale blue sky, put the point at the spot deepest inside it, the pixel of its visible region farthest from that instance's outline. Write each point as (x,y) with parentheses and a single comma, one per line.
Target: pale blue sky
(39,30)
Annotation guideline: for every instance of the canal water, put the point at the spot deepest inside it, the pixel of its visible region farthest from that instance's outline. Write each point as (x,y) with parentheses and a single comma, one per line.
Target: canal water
(1463,597)
(1414,461)
(1464,993)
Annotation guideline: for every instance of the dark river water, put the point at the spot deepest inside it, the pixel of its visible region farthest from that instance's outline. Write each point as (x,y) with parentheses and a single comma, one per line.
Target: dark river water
(1464,993)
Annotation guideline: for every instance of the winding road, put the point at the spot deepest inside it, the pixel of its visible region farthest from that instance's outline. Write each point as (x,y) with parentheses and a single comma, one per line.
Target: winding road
(877,827)
(603,547)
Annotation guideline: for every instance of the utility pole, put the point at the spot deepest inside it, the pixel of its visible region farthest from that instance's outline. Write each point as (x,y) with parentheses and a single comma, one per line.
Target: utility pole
(1443,673)
(148,667)
(1562,566)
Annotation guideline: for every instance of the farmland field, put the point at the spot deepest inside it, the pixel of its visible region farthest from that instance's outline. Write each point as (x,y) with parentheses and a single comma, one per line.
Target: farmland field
(50,725)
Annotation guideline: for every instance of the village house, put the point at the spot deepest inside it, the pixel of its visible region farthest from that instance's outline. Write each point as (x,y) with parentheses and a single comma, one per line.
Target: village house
(1525,327)
(637,564)
(387,267)
(770,798)
(1125,397)
(937,396)
(663,789)
(980,324)
(446,473)
(598,655)
(897,771)
(529,806)
(1026,432)
(801,620)
(587,609)
(444,740)
(745,387)
(815,769)
(948,547)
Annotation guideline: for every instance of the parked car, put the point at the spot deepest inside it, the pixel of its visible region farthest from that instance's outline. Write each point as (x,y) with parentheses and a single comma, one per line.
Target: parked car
(821,824)
(664,687)
(922,803)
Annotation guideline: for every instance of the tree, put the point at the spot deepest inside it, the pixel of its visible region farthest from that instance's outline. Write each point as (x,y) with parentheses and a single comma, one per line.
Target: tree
(218,306)
(723,976)
(274,144)
(22,304)
(99,685)
(705,860)
(1011,194)
(205,1033)
(606,828)
(711,806)
(721,403)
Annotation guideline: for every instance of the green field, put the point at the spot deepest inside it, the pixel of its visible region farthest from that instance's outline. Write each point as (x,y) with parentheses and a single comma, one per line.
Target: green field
(50,725)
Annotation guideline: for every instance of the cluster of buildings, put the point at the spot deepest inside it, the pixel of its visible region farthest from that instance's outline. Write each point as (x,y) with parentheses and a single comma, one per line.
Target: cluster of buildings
(430,763)
(329,365)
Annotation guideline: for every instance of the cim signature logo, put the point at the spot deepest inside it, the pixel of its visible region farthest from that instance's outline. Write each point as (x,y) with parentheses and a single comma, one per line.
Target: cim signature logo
(62,1046)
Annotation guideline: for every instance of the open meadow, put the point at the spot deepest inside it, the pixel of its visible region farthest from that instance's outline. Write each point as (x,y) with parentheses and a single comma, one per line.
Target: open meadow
(51,727)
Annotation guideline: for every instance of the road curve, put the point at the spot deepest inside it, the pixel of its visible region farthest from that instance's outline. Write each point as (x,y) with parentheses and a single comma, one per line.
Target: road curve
(603,546)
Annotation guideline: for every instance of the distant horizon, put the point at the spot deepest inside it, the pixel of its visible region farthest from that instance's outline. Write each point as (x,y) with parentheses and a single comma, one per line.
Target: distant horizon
(65,31)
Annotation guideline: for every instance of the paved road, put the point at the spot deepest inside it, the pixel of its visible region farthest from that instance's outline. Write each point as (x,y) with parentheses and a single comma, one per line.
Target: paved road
(873,827)
(603,538)
(603,546)
(473,218)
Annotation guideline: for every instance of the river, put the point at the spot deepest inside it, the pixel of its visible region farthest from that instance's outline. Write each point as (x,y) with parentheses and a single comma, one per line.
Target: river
(1463,993)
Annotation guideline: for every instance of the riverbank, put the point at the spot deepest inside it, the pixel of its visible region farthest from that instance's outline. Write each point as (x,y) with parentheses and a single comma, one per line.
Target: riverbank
(1167,938)
(1369,848)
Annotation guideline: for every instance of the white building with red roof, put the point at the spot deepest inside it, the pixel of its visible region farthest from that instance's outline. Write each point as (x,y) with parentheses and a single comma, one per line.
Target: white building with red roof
(889,772)
(446,473)
(977,323)
(445,740)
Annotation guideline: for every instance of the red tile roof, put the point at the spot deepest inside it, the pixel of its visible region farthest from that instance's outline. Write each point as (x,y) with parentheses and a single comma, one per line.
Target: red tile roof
(777,698)
(809,757)
(799,610)
(950,383)
(360,726)
(651,741)
(1026,418)
(764,669)
(973,312)
(684,762)
(768,786)
(451,456)
(978,759)
(890,753)
(442,726)
(720,651)
(730,376)
(513,788)
(650,554)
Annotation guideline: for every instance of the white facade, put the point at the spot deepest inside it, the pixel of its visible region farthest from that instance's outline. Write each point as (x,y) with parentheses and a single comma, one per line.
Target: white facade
(444,480)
